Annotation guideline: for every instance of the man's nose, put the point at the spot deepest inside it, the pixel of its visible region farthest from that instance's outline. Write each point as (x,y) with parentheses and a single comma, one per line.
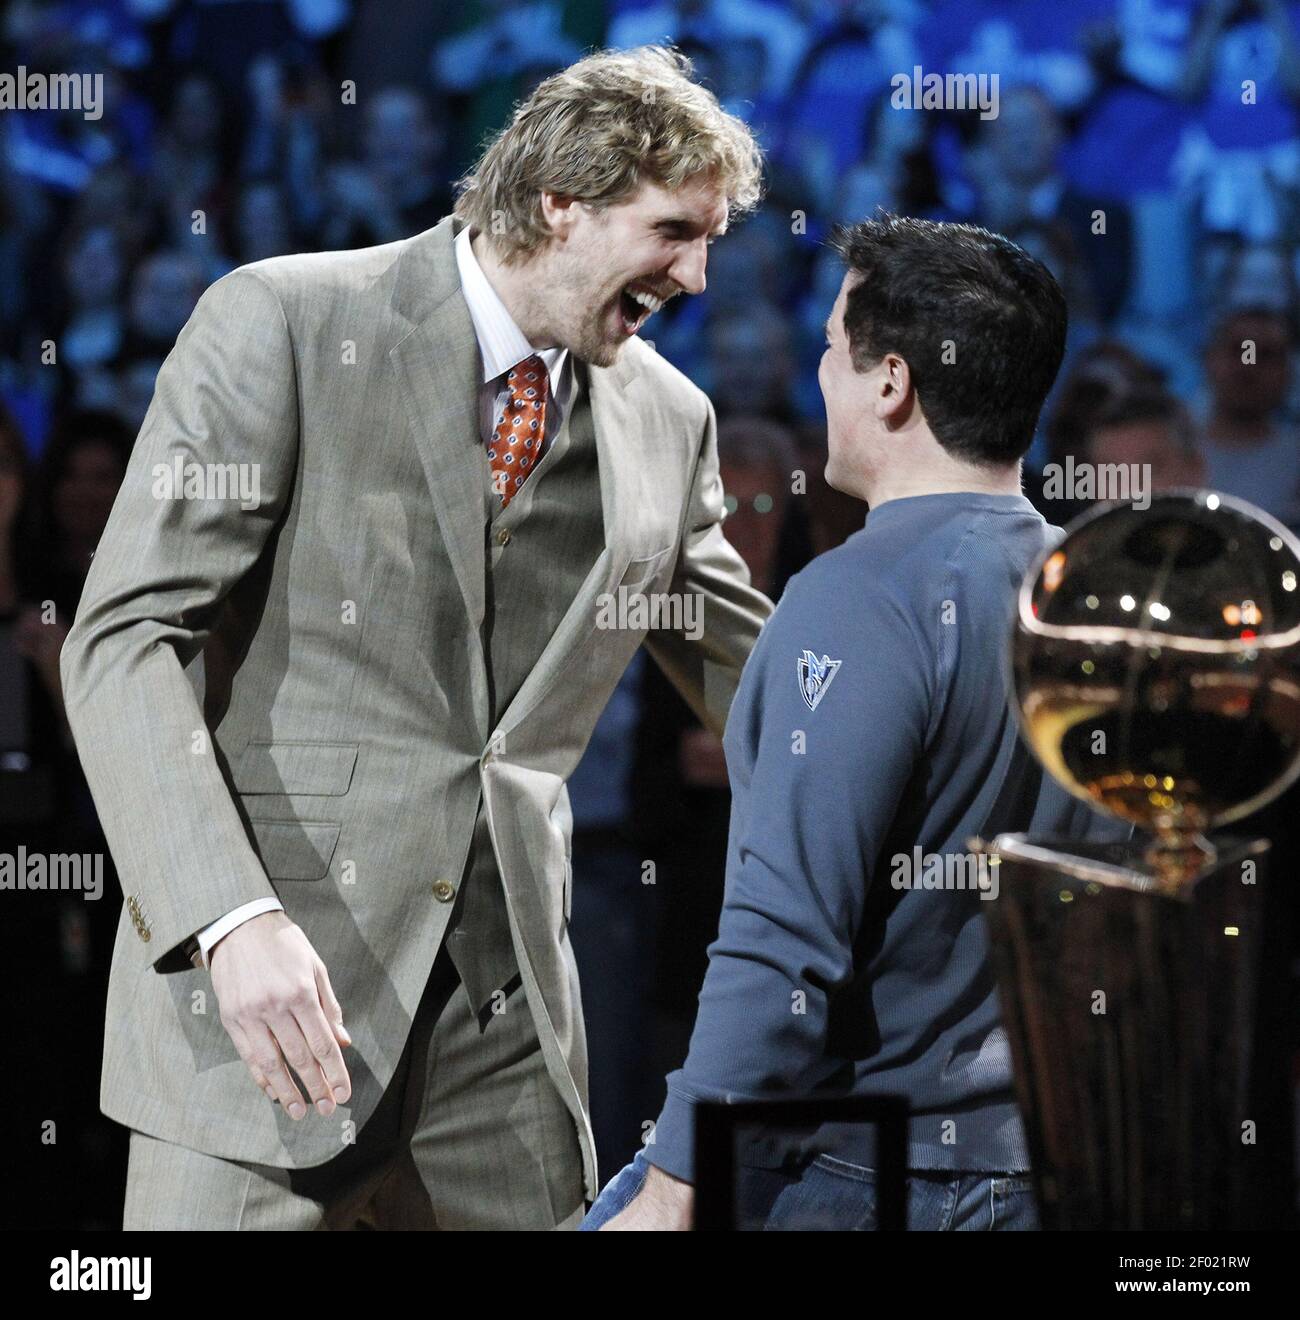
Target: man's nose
(688,269)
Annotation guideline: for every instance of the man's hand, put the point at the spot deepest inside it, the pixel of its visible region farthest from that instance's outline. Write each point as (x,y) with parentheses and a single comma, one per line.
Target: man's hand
(664,1204)
(277,1006)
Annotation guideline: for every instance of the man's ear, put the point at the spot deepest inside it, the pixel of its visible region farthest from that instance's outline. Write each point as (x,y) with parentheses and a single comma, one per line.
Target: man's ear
(893,388)
(560,211)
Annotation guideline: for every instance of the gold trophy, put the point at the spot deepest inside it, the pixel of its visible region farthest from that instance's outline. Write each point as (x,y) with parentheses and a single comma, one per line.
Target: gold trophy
(1155,673)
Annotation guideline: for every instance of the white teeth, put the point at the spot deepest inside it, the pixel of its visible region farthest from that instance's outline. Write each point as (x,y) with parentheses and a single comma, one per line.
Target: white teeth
(647,300)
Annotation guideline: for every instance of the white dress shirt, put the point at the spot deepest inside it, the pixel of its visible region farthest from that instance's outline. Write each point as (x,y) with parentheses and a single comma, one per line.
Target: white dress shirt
(501,344)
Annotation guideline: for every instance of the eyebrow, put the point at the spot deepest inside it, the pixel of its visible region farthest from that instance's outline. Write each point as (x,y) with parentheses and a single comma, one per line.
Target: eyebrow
(687,222)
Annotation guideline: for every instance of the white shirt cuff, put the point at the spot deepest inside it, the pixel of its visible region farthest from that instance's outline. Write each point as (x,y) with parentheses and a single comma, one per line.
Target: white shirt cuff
(222,927)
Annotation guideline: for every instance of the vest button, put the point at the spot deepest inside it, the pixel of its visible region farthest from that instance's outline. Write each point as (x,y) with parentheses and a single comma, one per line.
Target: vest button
(503,536)
(443,891)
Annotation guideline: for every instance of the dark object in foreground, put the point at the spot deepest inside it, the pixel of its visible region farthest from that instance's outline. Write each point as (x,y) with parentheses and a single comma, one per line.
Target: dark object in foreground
(717,1127)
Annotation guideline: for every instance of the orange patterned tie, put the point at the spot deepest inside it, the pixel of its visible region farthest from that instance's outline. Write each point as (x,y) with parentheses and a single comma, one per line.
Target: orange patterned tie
(516,444)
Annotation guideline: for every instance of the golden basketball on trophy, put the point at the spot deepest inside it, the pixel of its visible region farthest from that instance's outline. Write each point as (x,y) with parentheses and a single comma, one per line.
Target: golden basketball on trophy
(1157,667)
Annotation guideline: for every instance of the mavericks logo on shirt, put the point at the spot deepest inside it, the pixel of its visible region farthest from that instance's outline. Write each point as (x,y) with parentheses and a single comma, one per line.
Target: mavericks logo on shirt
(815,677)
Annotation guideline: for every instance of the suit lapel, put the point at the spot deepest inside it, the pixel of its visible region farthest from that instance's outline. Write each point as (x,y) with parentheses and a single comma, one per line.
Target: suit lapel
(438,365)
(625,490)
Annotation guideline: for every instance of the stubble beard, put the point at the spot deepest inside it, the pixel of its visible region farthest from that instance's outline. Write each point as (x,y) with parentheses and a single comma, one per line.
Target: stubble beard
(595,350)
(586,337)
(583,325)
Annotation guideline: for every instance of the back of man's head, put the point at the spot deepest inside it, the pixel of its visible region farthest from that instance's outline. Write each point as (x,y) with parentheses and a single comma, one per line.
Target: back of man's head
(979,322)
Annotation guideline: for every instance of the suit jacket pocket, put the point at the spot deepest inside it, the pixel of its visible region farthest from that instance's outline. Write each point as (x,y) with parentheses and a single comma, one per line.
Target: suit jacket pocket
(295,849)
(323,768)
(640,572)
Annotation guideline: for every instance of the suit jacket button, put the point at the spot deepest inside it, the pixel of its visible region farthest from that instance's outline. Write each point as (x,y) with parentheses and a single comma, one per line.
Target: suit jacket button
(443,891)
(503,536)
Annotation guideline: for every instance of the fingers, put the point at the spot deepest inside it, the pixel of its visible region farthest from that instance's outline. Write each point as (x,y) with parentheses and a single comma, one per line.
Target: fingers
(301,1040)
(300,1034)
(331,1064)
(327,1063)
(236,1033)
(268,1069)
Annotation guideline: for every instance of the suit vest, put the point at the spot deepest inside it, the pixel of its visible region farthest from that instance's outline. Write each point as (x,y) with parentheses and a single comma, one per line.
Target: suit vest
(539,550)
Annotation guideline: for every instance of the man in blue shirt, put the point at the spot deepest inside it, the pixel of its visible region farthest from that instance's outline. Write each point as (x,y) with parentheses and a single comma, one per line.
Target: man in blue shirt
(869,741)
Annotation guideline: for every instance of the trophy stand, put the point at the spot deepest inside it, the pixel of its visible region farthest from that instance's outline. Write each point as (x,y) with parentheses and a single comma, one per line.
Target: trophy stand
(1130,1010)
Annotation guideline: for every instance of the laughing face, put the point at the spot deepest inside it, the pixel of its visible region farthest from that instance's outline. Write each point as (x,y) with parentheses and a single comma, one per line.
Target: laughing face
(608,271)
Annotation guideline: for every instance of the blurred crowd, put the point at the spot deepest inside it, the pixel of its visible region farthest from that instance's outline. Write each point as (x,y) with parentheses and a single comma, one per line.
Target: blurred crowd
(1146,150)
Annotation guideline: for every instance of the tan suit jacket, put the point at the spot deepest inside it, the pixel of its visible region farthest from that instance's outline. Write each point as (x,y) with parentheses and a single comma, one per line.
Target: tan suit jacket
(292,699)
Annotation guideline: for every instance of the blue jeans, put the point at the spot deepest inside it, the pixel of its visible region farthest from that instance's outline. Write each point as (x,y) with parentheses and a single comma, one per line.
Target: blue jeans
(829,1194)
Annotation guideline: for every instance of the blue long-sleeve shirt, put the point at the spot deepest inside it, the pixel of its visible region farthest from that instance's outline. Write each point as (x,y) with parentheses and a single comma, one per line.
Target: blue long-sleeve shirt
(892,734)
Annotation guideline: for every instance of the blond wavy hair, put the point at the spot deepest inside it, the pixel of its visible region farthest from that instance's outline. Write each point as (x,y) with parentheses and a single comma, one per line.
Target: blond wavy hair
(594,131)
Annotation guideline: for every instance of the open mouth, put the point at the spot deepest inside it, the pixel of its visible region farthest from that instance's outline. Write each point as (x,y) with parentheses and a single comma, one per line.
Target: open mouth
(636,306)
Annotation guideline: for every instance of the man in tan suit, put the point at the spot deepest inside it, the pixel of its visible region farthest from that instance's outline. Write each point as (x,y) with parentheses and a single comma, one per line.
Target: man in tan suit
(395,523)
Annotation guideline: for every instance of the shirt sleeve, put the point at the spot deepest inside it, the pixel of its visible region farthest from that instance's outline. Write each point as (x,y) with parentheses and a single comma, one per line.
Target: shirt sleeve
(816,784)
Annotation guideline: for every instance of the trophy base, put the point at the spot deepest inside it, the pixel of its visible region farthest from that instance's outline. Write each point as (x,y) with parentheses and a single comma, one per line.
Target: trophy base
(1130,1011)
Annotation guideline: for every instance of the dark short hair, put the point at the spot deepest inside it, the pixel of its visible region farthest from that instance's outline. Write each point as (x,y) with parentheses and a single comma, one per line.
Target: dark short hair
(921,286)
(1228,316)
(75,428)
(1144,404)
